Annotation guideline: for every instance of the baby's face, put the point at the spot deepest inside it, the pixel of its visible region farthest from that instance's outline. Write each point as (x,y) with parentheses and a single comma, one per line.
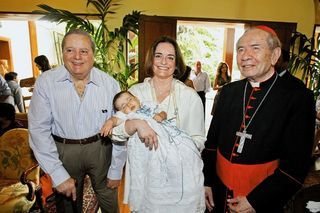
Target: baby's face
(127,103)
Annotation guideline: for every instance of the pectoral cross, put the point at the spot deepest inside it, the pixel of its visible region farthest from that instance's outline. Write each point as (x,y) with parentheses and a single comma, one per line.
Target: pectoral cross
(243,136)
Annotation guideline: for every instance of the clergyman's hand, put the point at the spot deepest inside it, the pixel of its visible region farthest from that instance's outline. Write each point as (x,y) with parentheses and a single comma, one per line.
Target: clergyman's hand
(209,198)
(68,188)
(240,204)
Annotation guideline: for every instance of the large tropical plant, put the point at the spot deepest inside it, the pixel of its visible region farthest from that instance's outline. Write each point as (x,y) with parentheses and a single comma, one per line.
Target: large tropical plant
(110,45)
(305,57)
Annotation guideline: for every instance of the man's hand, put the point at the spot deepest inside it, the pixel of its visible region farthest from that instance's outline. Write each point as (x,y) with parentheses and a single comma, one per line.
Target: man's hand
(112,184)
(209,198)
(240,204)
(68,188)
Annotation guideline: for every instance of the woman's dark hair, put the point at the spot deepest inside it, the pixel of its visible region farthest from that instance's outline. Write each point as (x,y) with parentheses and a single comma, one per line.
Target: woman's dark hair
(180,65)
(43,62)
(186,74)
(219,69)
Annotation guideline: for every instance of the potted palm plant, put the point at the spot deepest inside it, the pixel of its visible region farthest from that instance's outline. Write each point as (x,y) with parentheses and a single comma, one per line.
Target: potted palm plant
(110,45)
(305,57)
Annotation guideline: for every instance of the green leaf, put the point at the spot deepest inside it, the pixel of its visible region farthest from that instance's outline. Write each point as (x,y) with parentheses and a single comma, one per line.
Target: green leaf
(109,55)
(304,57)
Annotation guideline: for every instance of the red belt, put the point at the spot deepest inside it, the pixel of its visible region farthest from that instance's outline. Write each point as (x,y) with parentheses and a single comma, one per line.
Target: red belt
(240,178)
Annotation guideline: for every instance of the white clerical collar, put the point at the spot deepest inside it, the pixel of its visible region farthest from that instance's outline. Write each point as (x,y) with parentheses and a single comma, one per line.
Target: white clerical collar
(255,84)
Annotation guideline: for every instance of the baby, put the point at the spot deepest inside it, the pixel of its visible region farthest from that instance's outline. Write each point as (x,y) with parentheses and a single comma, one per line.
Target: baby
(126,103)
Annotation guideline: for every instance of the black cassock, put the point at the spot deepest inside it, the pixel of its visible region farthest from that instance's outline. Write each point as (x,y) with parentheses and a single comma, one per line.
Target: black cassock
(281,129)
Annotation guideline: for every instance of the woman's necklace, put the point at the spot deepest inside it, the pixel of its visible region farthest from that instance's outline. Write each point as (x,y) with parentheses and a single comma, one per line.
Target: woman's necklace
(244,135)
(171,100)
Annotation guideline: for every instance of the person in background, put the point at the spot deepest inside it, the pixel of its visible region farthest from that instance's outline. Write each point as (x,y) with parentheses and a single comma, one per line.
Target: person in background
(7,118)
(185,78)
(259,143)
(201,83)
(5,92)
(222,77)
(42,63)
(12,81)
(67,111)
(164,63)
(4,67)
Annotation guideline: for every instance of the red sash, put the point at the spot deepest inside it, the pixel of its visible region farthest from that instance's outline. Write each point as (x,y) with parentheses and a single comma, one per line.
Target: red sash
(241,178)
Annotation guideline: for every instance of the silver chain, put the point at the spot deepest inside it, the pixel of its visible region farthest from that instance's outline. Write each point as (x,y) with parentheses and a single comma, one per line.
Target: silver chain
(255,112)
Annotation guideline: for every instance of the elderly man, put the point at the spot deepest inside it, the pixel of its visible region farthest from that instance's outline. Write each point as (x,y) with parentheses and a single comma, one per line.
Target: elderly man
(68,108)
(260,140)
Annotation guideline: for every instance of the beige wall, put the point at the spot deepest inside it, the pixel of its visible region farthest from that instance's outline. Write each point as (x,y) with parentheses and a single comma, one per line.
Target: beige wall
(317,11)
(299,11)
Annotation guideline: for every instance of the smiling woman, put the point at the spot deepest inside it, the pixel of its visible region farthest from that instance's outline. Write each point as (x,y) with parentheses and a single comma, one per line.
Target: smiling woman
(164,63)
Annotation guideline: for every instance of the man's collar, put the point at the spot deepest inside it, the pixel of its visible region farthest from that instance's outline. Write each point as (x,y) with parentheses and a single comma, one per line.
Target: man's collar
(66,76)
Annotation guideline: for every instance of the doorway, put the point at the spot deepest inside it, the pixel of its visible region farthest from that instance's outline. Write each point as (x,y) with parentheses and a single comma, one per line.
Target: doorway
(210,43)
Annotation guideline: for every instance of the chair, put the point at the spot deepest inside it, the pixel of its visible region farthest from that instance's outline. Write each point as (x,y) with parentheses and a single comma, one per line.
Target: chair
(26,85)
(22,118)
(19,172)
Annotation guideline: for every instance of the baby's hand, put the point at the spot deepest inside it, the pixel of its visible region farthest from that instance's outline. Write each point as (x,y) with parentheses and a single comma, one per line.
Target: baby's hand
(158,118)
(106,129)
(161,116)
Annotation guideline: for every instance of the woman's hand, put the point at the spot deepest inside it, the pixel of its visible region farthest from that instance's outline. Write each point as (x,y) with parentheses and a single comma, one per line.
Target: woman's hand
(209,198)
(146,134)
